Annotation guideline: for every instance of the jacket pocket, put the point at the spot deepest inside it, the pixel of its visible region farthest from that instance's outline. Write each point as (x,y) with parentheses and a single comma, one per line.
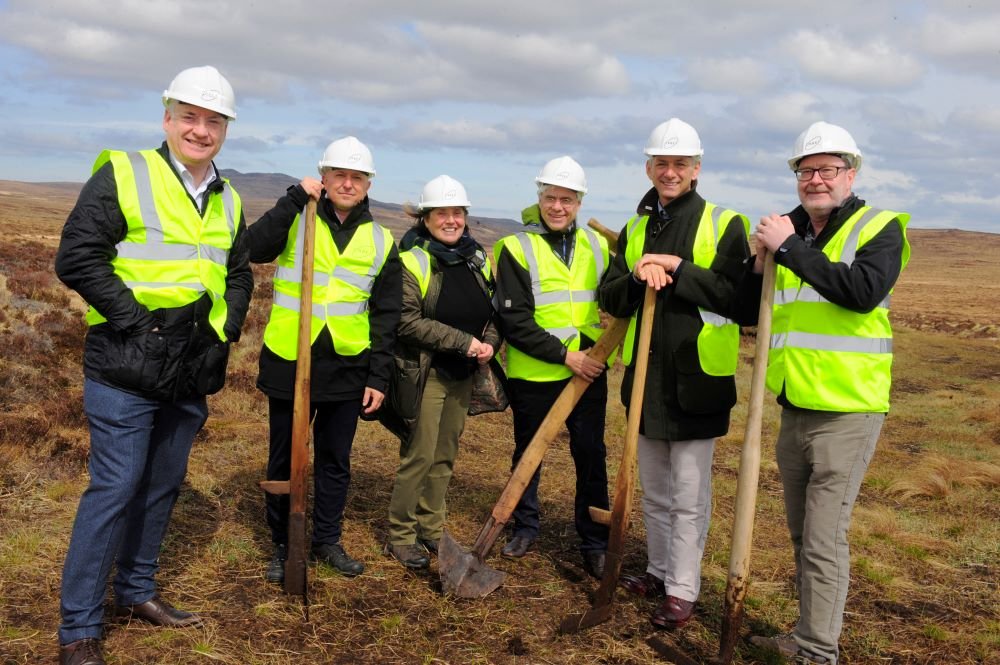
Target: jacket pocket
(139,362)
(697,392)
(405,388)
(210,372)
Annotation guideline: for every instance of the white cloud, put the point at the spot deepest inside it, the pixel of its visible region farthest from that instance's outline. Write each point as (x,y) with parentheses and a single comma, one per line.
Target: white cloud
(832,57)
(788,113)
(742,75)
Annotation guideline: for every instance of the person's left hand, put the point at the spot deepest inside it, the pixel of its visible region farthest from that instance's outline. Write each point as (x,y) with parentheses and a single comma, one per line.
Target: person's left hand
(372,400)
(485,353)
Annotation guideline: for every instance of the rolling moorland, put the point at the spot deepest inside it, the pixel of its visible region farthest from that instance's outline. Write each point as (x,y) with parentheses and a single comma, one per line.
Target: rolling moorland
(925,539)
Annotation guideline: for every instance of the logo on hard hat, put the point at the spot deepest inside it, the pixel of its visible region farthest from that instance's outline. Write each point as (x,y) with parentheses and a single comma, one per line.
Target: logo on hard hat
(450,194)
(670,142)
(356,157)
(562,175)
(813,142)
(210,95)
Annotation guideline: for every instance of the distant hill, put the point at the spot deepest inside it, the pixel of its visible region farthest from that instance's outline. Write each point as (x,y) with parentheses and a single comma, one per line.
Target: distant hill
(258,191)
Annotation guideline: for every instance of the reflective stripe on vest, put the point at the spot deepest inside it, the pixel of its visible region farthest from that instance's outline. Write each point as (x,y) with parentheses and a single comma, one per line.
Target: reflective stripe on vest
(824,356)
(342,287)
(719,337)
(170,255)
(565,301)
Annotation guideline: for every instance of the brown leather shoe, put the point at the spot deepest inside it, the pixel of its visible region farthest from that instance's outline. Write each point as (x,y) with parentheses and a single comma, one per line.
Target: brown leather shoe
(82,652)
(672,613)
(646,585)
(159,613)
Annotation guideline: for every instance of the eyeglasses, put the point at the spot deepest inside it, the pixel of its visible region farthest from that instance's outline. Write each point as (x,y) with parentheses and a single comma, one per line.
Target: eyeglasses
(825,172)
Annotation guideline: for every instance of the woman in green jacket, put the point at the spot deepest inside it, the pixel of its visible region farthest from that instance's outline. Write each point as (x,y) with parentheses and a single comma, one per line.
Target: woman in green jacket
(445,331)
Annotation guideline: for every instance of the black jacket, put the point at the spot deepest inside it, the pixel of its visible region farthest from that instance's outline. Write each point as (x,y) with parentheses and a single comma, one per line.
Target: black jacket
(167,354)
(858,287)
(333,377)
(681,402)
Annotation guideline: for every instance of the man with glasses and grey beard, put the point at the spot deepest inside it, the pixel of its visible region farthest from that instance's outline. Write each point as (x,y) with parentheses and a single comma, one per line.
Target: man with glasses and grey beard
(837,260)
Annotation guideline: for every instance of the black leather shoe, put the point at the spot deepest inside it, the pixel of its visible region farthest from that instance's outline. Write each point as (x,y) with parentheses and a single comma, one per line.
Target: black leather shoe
(517,547)
(673,613)
(429,545)
(646,585)
(159,613)
(593,562)
(411,556)
(276,569)
(335,556)
(82,652)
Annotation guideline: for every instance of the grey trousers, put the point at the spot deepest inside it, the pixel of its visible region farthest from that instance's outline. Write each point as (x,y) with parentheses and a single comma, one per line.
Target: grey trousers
(676,479)
(417,507)
(823,457)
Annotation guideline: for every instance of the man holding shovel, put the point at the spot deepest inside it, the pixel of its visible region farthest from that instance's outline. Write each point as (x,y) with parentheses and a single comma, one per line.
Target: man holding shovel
(357,295)
(692,252)
(830,360)
(547,302)
(155,247)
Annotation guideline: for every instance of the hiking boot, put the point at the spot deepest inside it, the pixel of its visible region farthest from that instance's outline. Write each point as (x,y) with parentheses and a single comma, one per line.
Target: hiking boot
(333,554)
(276,569)
(789,648)
(411,556)
(429,545)
(82,652)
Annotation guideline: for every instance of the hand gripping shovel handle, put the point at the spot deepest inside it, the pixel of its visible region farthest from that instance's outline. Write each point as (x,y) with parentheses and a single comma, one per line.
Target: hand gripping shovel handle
(295,565)
(624,483)
(746,484)
(549,428)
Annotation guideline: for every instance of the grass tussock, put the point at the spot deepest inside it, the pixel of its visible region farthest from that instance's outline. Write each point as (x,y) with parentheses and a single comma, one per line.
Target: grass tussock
(938,477)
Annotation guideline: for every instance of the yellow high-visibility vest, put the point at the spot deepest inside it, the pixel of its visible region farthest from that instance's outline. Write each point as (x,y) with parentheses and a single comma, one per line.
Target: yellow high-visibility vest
(565,297)
(719,338)
(342,285)
(171,254)
(827,357)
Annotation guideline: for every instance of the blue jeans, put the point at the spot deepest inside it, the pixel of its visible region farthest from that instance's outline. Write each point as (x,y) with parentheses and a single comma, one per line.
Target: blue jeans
(138,458)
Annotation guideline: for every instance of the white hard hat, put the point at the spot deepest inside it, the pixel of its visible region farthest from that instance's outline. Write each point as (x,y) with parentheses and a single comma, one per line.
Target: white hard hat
(347,153)
(822,138)
(674,137)
(204,87)
(443,192)
(563,172)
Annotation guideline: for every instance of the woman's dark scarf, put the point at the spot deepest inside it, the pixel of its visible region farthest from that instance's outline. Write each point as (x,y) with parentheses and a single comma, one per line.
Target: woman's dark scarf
(466,250)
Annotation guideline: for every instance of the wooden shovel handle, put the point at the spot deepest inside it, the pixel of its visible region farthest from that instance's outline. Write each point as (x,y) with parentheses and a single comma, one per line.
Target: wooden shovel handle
(625,481)
(303,366)
(746,484)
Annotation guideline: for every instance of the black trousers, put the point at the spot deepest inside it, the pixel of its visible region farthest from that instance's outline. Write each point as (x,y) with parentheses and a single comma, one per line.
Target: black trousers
(334,425)
(530,401)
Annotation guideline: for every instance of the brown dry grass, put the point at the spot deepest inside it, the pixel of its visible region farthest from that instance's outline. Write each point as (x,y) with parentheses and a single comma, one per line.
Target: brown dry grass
(926,535)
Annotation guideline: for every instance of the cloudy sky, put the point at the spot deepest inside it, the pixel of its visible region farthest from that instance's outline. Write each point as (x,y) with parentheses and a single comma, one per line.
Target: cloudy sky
(487,92)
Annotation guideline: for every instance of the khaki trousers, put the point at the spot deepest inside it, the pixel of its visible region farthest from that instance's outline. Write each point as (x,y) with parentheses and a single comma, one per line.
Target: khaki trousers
(417,507)
(823,458)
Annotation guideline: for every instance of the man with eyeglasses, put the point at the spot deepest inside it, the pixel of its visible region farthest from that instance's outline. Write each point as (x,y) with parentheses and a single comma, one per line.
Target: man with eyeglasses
(693,253)
(831,354)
